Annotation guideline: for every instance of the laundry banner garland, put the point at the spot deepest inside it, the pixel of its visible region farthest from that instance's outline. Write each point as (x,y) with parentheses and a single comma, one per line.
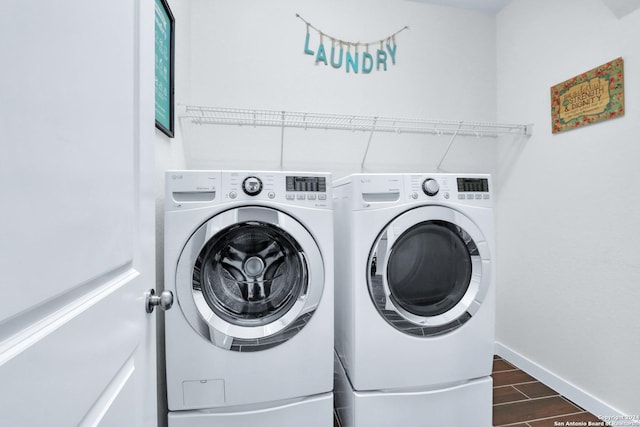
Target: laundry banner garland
(346,54)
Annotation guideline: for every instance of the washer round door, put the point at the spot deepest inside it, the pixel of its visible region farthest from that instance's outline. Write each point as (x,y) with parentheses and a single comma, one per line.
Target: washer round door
(249,278)
(428,271)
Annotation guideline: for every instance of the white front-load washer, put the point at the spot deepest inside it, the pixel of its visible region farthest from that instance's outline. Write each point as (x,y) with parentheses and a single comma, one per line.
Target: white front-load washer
(414,296)
(249,259)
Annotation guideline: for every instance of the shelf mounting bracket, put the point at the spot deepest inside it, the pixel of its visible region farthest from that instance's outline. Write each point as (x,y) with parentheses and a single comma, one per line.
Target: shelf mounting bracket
(282,141)
(453,138)
(366,151)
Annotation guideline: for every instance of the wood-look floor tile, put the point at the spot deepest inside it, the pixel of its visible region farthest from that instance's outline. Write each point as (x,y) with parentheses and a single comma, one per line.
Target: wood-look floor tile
(507,394)
(551,422)
(528,410)
(502,365)
(511,377)
(535,390)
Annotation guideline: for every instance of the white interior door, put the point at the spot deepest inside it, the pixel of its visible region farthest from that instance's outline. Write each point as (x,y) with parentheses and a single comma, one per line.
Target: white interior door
(76,217)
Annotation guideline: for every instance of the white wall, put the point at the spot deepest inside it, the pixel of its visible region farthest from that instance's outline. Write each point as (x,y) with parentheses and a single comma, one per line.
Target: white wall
(169,154)
(567,240)
(567,216)
(170,151)
(249,54)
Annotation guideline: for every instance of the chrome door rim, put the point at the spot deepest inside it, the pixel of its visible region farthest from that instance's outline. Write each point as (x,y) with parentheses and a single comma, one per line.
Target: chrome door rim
(254,337)
(475,293)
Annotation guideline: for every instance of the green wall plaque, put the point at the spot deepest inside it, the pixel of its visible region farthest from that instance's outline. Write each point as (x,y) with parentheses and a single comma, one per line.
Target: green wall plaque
(164,54)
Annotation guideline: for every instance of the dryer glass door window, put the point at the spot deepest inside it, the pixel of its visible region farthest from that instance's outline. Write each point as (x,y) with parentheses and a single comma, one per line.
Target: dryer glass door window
(251,274)
(429,268)
(428,271)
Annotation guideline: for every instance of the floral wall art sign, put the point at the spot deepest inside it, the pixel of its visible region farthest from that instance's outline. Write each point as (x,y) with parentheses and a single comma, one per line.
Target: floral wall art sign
(590,97)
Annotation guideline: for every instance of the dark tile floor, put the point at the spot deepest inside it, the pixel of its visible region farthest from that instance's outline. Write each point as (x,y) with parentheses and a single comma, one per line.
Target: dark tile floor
(519,400)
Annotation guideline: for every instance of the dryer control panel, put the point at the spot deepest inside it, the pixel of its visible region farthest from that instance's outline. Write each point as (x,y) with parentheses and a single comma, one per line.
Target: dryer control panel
(375,191)
(468,189)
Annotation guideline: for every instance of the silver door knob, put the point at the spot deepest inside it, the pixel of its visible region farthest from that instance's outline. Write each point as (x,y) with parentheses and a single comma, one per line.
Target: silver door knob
(164,300)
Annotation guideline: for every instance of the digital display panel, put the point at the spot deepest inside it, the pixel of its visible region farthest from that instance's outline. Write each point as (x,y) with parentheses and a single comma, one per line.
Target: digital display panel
(307,183)
(476,185)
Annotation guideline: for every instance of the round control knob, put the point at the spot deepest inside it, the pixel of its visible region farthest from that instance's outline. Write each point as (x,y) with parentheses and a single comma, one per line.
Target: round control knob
(252,185)
(430,187)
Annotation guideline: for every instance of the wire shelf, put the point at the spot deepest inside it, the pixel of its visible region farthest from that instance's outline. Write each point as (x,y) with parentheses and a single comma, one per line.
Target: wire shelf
(287,119)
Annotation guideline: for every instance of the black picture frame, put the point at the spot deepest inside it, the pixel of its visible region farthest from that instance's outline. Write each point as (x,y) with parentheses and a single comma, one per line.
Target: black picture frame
(164,67)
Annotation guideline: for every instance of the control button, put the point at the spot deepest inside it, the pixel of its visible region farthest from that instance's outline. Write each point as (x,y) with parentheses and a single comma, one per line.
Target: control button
(311,196)
(446,195)
(322,197)
(271,195)
(300,196)
(252,185)
(414,195)
(478,196)
(469,196)
(485,196)
(461,196)
(233,195)
(430,187)
(290,196)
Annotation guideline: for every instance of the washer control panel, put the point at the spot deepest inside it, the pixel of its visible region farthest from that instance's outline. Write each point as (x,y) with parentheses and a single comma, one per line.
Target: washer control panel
(297,188)
(192,188)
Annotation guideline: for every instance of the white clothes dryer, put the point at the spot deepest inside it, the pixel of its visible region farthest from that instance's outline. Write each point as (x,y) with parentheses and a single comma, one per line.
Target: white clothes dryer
(249,259)
(414,280)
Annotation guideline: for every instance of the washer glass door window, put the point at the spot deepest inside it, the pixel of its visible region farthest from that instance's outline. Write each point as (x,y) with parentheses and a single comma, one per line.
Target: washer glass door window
(426,274)
(250,274)
(249,278)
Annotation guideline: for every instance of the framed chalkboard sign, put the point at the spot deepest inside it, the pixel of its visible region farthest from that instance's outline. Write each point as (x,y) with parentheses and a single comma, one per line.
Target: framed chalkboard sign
(164,35)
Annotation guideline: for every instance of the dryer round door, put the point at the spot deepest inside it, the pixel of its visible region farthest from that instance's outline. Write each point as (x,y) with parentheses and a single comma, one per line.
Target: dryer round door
(249,278)
(428,271)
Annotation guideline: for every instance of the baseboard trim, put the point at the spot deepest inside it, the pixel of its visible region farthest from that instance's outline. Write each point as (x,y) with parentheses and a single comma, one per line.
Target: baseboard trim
(567,389)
